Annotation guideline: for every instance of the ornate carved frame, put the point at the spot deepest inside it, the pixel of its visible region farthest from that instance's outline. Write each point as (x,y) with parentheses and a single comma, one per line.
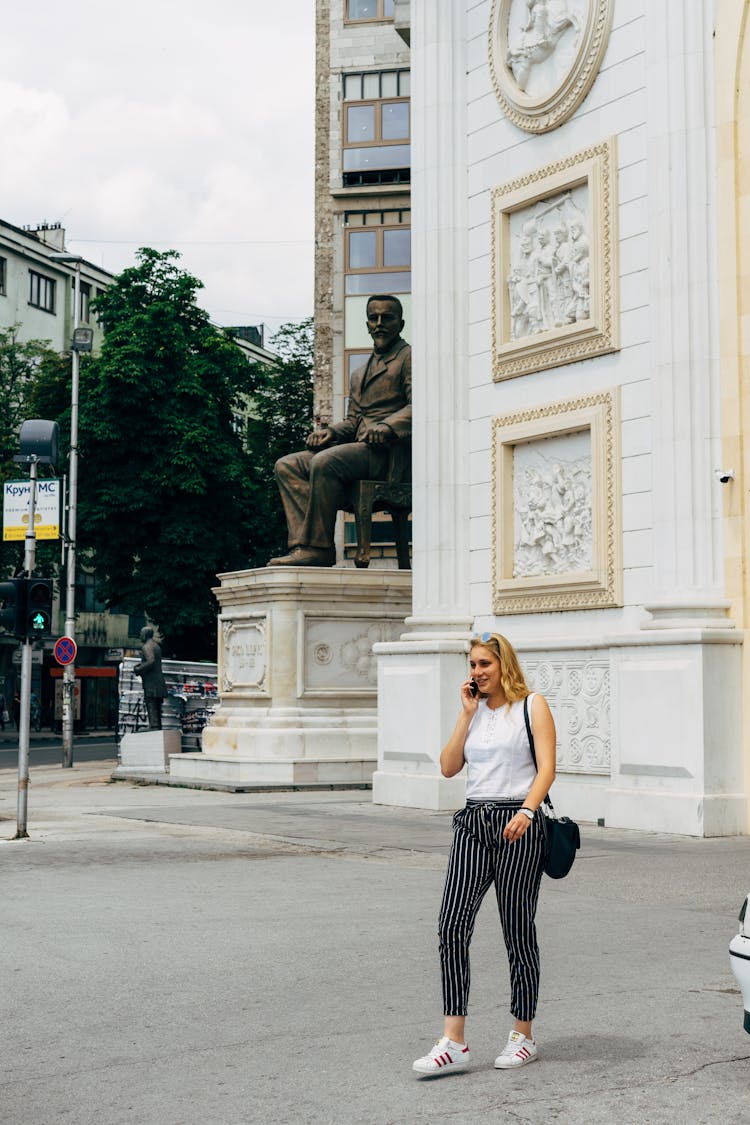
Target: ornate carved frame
(345,685)
(539,115)
(234,629)
(595,167)
(602,585)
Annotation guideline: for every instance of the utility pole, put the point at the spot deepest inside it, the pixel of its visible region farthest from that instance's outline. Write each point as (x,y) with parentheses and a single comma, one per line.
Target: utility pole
(39,442)
(29,562)
(82,341)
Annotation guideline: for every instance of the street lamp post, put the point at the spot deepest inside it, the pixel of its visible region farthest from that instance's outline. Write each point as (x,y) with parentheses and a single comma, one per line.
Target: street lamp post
(81,342)
(38,444)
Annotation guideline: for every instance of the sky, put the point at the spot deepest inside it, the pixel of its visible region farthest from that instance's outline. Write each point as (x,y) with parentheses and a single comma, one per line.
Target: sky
(176,124)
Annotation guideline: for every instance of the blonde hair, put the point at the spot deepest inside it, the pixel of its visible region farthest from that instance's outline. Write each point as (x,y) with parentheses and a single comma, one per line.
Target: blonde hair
(511,677)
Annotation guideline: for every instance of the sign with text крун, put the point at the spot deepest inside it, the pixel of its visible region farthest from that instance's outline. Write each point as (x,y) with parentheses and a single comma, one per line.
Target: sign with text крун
(16,496)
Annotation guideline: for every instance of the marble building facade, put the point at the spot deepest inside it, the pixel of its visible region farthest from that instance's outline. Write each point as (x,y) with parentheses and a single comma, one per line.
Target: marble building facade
(578,320)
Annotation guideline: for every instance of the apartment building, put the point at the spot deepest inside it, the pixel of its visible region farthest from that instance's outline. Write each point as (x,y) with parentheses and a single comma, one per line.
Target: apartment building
(37,287)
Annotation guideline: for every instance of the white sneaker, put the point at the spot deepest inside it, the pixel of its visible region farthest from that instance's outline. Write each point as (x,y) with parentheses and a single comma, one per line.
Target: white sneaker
(445,1056)
(517,1052)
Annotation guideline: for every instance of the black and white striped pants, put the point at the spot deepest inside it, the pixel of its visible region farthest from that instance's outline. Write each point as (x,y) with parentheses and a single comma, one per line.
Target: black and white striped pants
(480,856)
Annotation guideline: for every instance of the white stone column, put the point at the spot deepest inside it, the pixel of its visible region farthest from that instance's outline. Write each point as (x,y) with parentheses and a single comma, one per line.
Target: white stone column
(684,316)
(418,678)
(676,687)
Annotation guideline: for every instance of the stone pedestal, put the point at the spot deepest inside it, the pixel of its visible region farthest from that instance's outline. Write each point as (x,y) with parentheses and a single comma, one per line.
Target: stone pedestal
(297,677)
(419,702)
(147,752)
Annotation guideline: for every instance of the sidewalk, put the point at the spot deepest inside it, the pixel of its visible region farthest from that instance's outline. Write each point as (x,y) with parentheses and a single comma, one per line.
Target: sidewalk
(185,956)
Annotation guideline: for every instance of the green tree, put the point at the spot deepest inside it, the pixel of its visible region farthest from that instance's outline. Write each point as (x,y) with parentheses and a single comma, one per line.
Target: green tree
(168,496)
(281,420)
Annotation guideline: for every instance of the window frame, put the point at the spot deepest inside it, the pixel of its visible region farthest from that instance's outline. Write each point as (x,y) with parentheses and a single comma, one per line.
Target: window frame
(398,170)
(401,73)
(401,217)
(378,141)
(84,298)
(50,286)
(3,276)
(379,230)
(358,20)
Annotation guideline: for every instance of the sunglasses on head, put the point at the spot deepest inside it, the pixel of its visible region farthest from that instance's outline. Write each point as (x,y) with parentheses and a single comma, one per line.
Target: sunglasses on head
(481,637)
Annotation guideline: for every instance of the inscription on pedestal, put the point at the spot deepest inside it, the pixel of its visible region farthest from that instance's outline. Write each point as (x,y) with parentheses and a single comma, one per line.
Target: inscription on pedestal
(244,651)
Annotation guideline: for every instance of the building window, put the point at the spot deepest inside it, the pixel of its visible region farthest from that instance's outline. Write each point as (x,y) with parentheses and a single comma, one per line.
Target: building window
(41,291)
(86,600)
(378,252)
(377,130)
(3,277)
(369,10)
(84,310)
(377,259)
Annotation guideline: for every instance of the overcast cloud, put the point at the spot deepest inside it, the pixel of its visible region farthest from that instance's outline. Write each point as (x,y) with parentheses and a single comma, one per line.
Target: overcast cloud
(176,124)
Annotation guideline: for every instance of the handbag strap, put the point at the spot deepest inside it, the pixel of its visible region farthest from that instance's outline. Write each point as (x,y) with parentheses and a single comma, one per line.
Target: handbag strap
(526,719)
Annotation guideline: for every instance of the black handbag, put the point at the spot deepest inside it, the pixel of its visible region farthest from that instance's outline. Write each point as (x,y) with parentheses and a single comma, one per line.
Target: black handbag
(563,835)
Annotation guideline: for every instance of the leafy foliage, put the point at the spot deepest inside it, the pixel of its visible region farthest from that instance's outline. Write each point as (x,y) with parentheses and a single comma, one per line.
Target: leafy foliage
(168,496)
(282,418)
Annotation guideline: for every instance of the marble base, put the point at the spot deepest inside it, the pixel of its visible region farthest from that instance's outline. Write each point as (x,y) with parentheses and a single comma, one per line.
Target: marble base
(649,725)
(418,701)
(147,752)
(418,791)
(297,677)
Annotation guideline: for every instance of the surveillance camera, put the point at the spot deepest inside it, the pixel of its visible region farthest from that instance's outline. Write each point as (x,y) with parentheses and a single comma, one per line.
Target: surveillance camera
(724,476)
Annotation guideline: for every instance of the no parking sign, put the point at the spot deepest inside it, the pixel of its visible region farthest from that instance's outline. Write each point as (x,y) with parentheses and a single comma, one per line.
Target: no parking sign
(65,650)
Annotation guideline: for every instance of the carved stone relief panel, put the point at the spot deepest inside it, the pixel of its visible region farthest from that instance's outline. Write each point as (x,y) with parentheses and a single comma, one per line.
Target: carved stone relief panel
(338,654)
(554,264)
(243,652)
(544,57)
(549,279)
(552,502)
(556,506)
(577,688)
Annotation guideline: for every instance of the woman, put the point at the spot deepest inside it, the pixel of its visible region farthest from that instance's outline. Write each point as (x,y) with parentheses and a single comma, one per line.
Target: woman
(498,837)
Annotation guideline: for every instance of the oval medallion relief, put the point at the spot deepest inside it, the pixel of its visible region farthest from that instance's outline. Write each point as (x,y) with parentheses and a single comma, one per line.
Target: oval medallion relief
(544,57)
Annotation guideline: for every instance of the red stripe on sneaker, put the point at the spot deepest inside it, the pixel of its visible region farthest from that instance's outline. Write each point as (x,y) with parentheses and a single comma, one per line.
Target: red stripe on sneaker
(465,1050)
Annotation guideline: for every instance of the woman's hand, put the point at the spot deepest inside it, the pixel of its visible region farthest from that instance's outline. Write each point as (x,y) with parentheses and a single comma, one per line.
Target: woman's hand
(452,754)
(469,701)
(516,827)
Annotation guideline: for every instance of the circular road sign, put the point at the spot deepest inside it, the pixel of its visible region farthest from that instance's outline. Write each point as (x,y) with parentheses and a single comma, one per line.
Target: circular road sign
(65,650)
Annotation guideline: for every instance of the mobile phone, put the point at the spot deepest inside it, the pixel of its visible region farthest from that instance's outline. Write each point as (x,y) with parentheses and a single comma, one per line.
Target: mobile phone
(473,687)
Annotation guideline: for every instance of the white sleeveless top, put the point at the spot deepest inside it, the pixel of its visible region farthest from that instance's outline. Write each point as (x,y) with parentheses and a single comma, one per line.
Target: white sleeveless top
(497,754)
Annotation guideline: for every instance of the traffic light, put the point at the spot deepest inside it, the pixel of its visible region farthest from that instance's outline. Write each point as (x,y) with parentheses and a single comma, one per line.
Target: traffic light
(13,612)
(38,620)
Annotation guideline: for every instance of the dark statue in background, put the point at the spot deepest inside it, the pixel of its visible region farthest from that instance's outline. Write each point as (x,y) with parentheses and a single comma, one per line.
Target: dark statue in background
(313,483)
(154,684)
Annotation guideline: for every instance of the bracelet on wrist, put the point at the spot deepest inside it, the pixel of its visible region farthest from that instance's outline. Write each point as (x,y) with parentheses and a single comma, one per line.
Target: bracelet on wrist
(528,812)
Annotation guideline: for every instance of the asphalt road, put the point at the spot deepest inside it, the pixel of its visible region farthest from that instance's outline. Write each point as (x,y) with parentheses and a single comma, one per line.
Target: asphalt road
(47,751)
(186,957)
